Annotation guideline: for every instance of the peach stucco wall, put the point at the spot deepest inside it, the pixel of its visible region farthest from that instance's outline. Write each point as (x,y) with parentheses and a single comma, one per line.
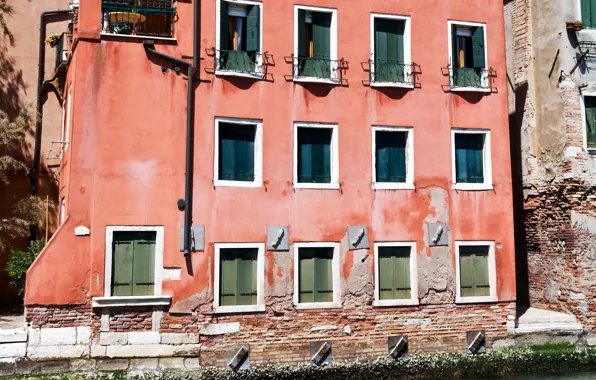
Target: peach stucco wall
(126,162)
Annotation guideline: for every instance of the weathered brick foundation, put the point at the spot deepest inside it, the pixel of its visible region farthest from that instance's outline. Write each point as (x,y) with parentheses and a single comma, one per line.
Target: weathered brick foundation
(131,319)
(38,316)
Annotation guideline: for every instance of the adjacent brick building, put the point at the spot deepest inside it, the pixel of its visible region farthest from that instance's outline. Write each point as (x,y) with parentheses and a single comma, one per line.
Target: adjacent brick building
(551,69)
(351,182)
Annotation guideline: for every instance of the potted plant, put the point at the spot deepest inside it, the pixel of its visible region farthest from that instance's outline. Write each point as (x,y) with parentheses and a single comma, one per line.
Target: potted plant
(53,39)
(574,25)
(125,22)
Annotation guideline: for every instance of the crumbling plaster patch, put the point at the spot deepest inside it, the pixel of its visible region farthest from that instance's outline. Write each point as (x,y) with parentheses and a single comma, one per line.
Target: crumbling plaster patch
(357,283)
(279,292)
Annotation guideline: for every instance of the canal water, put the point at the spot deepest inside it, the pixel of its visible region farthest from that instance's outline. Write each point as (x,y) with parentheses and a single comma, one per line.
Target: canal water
(574,376)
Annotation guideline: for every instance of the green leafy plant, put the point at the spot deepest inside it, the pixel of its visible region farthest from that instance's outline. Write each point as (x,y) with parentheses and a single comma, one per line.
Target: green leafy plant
(52,39)
(20,261)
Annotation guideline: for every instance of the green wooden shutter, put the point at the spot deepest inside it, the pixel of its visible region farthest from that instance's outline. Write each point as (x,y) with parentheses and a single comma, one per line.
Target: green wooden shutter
(228,278)
(321,31)
(590,106)
(236,152)
(478,58)
(307,275)
(381,53)
(224,38)
(474,274)
(391,156)
(588,13)
(301,25)
(395,50)
(246,276)
(481,279)
(253,27)
(461,159)
(394,273)
(401,273)
(592,13)
(227,154)
(144,263)
(323,273)
(466,274)
(386,288)
(122,263)
(314,155)
(454,51)
(475,159)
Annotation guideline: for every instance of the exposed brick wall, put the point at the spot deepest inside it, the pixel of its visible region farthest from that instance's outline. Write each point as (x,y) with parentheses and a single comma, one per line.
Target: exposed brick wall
(179,324)
(131,319)
(58,316)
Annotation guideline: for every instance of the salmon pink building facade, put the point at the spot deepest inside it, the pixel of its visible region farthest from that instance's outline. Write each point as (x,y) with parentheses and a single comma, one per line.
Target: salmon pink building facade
(347,186)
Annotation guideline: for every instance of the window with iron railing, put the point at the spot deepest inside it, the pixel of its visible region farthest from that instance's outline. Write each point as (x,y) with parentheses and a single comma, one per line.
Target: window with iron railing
(138,17)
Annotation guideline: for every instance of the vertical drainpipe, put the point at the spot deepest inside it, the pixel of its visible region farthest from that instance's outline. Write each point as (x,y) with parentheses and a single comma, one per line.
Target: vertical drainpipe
(41,84)
(190,126)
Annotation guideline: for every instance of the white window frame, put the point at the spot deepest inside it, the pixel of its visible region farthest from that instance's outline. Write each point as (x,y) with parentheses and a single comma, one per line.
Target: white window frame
(492,272)
(409,184)
(485,78)
(486,158)
(334,156)
(336,268)
(260,306)
(413,275)
(259,60)
(407,49)
(115,301)
(585,122)
(332,42)
(258,153)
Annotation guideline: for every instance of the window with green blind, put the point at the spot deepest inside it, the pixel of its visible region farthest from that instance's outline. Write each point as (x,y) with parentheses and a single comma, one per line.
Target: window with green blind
(469,157)
(468,55)
(314,44)
(133,263)
(394,273)
(390,156)
(236,152)
(473,271)
(314,155)
(239,39)
(316,274)
(590,106)
(389,50)
(238,276)
(588,13)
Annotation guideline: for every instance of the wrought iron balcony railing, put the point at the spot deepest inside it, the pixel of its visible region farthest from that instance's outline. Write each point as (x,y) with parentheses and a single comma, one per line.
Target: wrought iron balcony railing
(139,17)
(471,78)
(61,51)
(393,72)
(318,68)
(232,61)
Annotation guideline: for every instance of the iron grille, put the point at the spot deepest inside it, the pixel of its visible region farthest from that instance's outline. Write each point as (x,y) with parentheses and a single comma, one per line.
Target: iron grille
(393,72)
(233,61)
(318,68)
(60,52)
(139,17)
(471,78)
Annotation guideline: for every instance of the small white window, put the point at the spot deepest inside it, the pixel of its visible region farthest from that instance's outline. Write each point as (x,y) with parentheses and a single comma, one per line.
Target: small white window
(316,158)
(393,158)
(391,59)
(315,45)
(317,282)
(239,38)
(239,277)
(475,272)
(471,159)
(468,59)
(396,281)
(238,159)
(589,121)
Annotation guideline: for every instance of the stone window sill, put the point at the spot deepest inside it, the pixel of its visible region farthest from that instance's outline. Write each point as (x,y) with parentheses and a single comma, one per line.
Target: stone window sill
(239,309)
(484,299)
(99,302)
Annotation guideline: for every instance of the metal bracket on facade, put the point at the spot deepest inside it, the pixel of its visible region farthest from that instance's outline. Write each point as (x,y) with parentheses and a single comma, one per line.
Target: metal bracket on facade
(238,357)
(197,238)
(358,237)
(320,352)
(278,238)
(398,347)
(476,342)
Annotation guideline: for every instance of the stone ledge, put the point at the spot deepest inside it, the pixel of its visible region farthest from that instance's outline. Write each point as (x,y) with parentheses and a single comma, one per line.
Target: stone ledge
(220,329)
(57,352)
(152,351)
(13,350)
(13,336)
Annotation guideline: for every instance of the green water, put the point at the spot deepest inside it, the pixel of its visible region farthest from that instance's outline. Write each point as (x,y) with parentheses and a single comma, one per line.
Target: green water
(574,376)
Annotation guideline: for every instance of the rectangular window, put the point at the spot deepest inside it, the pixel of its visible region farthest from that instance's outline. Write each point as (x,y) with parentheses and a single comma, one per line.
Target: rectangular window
(393,162)
(239,277)
(395,272)
(238,153)
(588,11)
(390,41)
(239,37)
(316,274)
(471,160)
(133,263)
(476,275)
(315,48)
(316,156)
(468,61)
(590,122)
